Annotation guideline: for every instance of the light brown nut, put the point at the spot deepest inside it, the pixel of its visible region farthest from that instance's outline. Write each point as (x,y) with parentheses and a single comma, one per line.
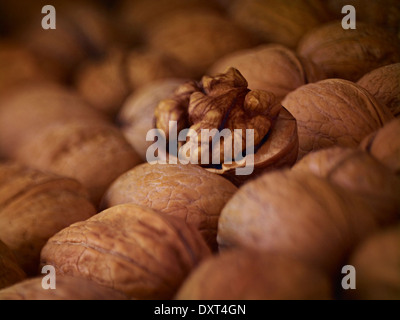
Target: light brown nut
(67,288)
(185,191)
(197,38)
(349,54)
(33,207)
(132,249)
(10,271)
(273,68)
(359,174)
(278,21)
(383,84)
(245,274)
(384,145)
(334,112)
(377,264)
(51,129)
(136,116)
(296,214)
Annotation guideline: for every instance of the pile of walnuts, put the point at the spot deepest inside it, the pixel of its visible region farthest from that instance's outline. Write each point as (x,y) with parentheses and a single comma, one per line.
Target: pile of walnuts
(79,195)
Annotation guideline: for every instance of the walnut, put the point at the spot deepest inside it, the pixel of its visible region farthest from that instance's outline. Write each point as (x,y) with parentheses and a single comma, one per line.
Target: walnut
(359,174)
(105,84)
(51,129)
(384,145)
(10,271)
(349,54)
(297,214)
(224,102)
(132,249)
(33,207)
(245,274)
(197,38)
(67,288)
(137,113)
(271,67)
(184,191)
(377,262)
(334,112)
(276,21)
(382,83)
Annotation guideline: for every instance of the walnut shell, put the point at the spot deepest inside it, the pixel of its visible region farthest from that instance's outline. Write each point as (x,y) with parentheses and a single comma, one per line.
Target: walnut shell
(360,174)
(245,274)
(383,84)
(197,38)
(132,249)
(349,54)
(272,68)
(33,207)
(67,288)
(188,192)
(384,145)
(278,21)
(377,264)
(296,214)
(334,112)
(10,271)
(58,132)
(136,116)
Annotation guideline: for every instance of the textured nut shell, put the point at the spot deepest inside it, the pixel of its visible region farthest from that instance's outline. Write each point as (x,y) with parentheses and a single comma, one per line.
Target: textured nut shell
(295,214)
(188,192)
(278,21)
(67,288)
(272,68)
(383,84)
(133,249)
(33,207)
(197,38)
(93,154)
(136,117)
(252,275)
(334,112)
(361,174)
(377,261)
(10,271)
(349,54)
(279,151)
(385,145)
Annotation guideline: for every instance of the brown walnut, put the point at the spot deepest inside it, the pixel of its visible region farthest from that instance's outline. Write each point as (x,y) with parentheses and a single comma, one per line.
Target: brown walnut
(349,54)
(334,112)
(273,68)
(10,271)
(245,274)
(33,207)
(67,288)
(132,249)
(224,102)
(383,84)
(188,192)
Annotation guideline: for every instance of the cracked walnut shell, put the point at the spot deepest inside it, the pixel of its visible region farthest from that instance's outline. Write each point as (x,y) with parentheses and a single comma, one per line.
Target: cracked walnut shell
(132,249)
(10,271)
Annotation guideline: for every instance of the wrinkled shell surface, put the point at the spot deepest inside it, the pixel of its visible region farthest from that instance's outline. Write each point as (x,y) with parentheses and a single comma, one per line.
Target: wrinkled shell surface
(349,54)
(377,262)
(252,275)
(33,207)
(10,271)
(67,288)
(334,112)
(188,192)
(273,68)
(297,214)
(132,249)
(383,84)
